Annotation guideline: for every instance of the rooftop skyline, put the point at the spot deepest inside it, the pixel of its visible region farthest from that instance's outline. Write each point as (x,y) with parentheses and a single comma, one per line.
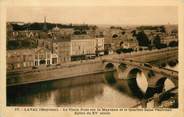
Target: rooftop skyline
(112,15)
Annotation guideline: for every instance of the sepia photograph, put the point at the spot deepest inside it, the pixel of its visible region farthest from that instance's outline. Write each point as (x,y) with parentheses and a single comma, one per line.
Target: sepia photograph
(92,56)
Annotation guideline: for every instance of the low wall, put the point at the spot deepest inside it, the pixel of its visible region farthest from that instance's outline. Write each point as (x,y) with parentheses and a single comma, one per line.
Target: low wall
(154,55)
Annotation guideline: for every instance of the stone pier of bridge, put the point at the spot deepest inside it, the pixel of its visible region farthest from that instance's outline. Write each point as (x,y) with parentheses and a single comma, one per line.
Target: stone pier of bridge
(128,69)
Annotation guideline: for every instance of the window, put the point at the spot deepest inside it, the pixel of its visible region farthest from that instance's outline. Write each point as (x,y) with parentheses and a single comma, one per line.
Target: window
(36,56)
(28,64)
(18,65)
(36,63)
(24,64)
(48,62)
(24,57)
(30,57)
(41,56)
(31,64)
(48,55)
(12,57)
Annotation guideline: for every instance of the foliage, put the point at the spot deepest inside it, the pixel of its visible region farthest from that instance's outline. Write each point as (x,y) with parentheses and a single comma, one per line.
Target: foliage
(156,41)
(158,28)
(18,44)
(173,44)
(142,39)
(123,50)
(39,26)
(115,36)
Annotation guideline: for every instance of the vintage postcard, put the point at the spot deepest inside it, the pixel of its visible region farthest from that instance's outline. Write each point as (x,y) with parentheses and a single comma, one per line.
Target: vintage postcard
(91,58)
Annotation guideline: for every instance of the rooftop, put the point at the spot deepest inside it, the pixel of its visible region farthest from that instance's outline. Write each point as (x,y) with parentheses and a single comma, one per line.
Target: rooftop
(76,37)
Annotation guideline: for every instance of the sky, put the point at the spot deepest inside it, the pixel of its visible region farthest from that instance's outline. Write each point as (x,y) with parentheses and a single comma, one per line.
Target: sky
(111,15)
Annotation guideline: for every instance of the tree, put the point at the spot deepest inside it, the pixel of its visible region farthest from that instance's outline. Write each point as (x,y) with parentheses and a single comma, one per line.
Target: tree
(173,44)
(162,29)
(123,32)
(133,33)
(115,36)
(12,44)
(118,51)
(142,39)
(157,42)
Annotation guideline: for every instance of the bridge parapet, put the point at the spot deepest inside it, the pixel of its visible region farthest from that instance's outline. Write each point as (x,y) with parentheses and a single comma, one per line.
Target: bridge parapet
(153,55)
(146,66)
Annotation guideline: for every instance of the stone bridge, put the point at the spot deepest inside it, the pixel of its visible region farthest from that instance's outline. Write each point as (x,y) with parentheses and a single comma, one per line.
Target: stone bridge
(125,69)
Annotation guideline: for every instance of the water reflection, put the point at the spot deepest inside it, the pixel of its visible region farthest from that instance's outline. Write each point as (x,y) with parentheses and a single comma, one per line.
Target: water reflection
(142,82)
(128,87)
(82,91)
(138,86)
(78,94)
(168,83)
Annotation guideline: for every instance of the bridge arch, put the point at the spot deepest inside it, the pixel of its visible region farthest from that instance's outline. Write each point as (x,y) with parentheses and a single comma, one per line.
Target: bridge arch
(109,66)
(115,71)
(109,76)
(173,62)
(166,83)
(137,84)
(132,73)
(122,66)
(160,84)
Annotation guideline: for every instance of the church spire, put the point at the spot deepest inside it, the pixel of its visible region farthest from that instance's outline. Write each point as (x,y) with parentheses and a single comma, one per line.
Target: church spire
(45,19)
(45,24)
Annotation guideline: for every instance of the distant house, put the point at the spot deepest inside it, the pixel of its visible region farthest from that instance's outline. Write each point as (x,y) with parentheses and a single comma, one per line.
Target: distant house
(129,44)
(62,31)
(125,40)
(167,39)
(67,31)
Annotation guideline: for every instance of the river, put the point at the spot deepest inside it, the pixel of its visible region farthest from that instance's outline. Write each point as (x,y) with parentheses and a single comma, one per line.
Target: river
(90,91)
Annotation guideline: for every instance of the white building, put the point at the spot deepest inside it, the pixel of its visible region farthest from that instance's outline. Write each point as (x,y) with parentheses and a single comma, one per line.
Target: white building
(100,46)
(44,56)
(82,45)
(129,44)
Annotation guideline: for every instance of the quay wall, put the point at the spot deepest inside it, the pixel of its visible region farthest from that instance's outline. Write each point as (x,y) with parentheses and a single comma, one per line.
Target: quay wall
(91,67)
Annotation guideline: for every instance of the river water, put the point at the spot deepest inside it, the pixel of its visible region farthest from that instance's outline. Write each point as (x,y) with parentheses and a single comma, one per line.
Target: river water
(91,91)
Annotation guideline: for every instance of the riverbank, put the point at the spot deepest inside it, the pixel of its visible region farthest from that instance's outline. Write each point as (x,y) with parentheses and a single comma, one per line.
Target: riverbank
(91,67)
(86,67)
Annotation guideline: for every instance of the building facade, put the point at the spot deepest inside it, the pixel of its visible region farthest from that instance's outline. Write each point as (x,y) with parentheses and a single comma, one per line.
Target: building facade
(167,39)
(82,46)
(44,57)
(129,43)
(29,58)
(62,48)
(20,58)
(99,46)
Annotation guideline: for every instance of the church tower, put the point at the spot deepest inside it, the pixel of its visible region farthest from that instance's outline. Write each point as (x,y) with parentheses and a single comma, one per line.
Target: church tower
(45,24)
